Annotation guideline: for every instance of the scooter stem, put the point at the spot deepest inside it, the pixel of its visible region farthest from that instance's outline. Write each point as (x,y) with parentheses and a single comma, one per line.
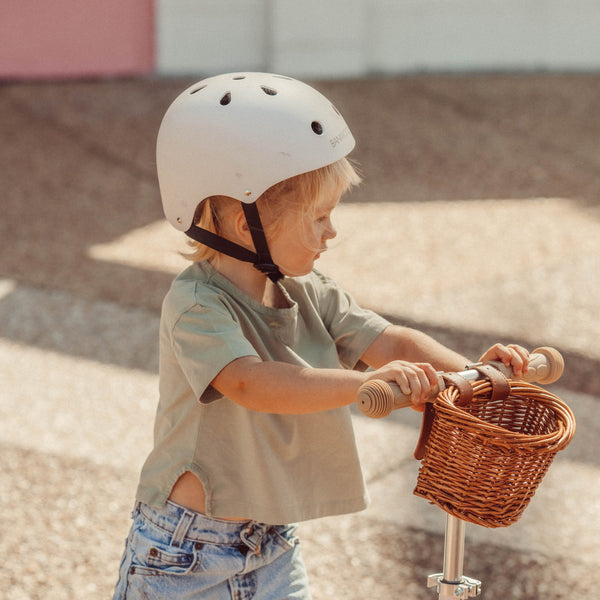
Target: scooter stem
(452,584)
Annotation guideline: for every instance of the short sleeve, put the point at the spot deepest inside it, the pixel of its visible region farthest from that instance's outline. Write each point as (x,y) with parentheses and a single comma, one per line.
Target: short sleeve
(205,339)
(352,328)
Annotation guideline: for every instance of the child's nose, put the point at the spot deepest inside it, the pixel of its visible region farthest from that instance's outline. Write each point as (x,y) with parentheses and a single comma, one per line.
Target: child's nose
(330,232)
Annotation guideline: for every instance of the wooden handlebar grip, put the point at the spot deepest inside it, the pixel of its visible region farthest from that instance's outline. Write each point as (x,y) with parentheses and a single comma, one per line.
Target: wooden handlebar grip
(546,365)
(377,399)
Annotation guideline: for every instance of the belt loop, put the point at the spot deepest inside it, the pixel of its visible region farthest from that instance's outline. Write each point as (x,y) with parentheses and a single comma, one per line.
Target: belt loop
(252,536)
(182,528)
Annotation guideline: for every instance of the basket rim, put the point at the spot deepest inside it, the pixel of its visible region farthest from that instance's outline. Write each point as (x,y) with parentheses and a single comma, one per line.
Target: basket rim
(446,402)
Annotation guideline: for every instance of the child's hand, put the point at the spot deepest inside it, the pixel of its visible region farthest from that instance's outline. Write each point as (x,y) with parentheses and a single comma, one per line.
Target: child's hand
(415,380)
(511,355)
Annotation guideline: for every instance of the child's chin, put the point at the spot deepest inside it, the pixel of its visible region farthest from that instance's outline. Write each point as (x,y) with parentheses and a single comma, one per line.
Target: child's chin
(298,273)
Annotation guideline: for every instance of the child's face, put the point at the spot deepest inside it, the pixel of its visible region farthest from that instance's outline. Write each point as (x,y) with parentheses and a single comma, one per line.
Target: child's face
(295,247)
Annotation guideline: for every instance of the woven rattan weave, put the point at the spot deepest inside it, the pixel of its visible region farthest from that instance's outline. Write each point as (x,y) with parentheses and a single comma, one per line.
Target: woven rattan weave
(485,459)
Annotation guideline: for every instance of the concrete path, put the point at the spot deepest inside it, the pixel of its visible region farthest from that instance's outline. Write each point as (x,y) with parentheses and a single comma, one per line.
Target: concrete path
(478,221)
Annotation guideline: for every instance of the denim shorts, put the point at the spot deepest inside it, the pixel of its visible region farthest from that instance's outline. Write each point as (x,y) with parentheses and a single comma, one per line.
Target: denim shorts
(173,552)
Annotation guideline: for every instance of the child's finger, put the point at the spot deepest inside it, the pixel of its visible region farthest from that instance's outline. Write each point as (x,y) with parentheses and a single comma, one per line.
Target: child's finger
(429,380)
(420,385)
(518,359)
(512,355)
(432,375)
(409,383)
(403,383)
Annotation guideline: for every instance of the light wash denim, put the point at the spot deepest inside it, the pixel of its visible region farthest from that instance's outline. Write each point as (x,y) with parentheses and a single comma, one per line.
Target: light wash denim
(173,552)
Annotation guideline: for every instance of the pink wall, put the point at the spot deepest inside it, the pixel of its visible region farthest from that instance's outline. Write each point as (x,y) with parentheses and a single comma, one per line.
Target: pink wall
(73,38)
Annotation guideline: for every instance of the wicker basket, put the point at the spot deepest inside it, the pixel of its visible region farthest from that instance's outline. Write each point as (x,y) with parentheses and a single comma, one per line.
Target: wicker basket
(484,459)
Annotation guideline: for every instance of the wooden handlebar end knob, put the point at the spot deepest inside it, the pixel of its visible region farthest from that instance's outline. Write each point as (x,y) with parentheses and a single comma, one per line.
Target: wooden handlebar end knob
(375,399)
(551,369)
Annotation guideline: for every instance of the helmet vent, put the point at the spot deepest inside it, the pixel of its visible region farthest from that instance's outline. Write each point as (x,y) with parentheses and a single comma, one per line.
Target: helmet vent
(197,89)
(269,91)
(317,127)
(226,99)
(239,77)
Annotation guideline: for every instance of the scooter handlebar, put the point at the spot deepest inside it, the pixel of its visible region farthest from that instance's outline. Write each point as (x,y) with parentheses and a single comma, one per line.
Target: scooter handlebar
(377,398)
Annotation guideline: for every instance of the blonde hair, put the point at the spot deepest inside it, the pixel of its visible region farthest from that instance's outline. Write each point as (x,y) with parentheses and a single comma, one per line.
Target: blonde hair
(298,193)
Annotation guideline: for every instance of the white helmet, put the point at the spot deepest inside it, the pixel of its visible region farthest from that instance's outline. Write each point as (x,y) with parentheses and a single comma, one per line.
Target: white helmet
(239,134)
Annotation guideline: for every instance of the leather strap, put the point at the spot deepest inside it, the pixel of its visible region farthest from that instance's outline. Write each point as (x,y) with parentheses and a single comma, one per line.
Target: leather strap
(500,384)
(465,389)
(426,425)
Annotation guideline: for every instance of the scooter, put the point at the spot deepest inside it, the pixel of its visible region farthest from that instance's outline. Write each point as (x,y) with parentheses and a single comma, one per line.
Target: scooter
(487,439)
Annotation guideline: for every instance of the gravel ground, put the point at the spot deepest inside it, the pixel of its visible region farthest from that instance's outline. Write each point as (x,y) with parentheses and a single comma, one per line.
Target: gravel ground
(478,220)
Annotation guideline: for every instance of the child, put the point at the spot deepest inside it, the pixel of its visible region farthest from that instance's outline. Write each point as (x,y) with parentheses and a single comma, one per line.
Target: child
(260,354)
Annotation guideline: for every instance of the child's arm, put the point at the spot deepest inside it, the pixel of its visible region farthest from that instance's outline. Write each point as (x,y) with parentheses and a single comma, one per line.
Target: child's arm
(283,388)
(402,355)
(413,345)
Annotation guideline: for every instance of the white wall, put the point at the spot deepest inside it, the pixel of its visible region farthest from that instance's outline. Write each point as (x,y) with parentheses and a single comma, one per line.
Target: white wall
(484,34)
(318,37)
(200,36)
(346,38)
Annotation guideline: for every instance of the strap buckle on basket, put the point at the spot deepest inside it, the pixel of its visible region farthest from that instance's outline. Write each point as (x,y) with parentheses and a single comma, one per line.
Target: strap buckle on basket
(500,390)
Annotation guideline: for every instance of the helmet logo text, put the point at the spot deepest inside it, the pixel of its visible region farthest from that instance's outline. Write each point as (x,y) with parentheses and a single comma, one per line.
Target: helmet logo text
(340,137)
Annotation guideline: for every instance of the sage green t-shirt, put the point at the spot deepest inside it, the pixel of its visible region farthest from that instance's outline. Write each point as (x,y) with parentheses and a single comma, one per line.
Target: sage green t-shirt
(265,467)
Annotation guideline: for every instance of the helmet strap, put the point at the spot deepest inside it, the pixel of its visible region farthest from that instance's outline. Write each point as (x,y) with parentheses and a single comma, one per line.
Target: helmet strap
(264,262)
(261,259)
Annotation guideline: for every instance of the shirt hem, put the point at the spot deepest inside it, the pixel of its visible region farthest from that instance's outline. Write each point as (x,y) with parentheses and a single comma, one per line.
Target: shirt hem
(283,516)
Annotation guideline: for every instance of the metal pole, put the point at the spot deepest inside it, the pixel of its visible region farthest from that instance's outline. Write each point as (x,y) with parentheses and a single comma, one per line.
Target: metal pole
(452,584)
(454,549)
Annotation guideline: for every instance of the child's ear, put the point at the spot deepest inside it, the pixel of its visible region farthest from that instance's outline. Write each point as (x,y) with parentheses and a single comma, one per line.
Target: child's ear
(242,231)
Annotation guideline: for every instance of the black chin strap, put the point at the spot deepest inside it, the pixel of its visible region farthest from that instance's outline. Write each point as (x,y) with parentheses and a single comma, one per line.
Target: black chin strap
(264,262)
(261,259)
